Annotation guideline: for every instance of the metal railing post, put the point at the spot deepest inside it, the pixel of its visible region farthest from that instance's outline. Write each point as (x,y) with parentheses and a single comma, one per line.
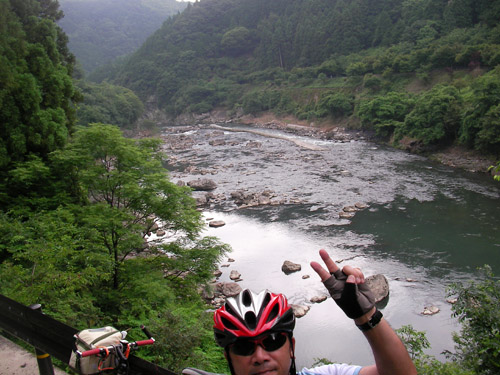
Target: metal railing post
(45,366)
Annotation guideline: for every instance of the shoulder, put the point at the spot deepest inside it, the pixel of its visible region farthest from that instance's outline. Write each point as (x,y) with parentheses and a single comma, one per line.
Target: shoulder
(335,369)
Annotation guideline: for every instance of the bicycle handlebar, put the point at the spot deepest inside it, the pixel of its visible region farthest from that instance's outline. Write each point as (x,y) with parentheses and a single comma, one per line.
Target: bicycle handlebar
(111,348)
(124,345)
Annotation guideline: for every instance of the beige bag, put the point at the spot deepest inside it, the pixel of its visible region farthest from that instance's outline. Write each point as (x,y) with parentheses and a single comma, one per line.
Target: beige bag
(90,339)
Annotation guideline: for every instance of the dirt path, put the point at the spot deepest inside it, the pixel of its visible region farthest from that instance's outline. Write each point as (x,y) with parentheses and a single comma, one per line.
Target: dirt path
(15,360)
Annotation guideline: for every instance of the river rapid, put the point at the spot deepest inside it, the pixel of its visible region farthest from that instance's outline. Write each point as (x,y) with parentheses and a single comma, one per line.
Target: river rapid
(426,225)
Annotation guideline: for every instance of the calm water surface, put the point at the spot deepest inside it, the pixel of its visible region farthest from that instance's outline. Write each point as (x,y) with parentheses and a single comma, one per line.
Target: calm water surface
(426,223)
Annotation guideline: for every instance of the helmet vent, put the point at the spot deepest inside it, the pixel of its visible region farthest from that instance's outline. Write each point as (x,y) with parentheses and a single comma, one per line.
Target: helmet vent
(228,324)
(266,300)
(273,314)
(251,320)
(246,298)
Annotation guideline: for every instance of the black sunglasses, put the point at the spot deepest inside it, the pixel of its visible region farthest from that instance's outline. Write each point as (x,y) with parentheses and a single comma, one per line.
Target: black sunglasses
(270,343)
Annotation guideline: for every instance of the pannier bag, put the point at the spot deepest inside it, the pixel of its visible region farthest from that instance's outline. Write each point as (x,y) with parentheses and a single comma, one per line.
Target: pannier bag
(94,338)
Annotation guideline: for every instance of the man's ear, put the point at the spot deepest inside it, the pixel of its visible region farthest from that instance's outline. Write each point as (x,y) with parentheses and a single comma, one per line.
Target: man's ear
(292,347)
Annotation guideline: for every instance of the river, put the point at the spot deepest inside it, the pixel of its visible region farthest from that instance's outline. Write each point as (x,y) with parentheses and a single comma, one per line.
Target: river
(426,225)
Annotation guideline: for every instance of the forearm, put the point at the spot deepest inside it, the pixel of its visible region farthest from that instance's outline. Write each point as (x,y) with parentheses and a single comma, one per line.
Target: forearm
(391,356)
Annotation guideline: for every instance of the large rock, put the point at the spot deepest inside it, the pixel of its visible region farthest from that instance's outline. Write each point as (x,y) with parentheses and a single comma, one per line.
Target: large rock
(235,275)
(247,199)
(229,289)
(430,310)
(202,184)
(216,224)
(290,267)
(299,310)
(318,299)
(379,286)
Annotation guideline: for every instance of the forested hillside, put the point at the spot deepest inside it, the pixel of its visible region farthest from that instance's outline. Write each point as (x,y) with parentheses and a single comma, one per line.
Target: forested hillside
(410,69)
(88,216)
(99,31)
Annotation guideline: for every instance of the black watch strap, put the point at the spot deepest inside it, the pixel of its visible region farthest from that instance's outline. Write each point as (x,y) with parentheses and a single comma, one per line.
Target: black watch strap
(374,320)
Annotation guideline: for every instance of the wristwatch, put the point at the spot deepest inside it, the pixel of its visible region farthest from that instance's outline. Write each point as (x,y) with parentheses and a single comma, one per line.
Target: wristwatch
(374,320)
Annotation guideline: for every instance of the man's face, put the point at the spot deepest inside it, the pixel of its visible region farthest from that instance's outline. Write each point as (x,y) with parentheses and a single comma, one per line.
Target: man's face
(263,362)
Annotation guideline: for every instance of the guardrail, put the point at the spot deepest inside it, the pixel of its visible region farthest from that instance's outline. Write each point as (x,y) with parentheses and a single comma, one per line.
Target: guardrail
(53,338)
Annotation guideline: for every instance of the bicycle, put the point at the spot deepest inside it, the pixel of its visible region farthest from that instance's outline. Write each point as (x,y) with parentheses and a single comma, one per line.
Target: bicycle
(112,357)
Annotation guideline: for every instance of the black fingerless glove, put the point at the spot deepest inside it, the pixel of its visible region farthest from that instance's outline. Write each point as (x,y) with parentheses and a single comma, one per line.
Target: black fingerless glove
(355,299)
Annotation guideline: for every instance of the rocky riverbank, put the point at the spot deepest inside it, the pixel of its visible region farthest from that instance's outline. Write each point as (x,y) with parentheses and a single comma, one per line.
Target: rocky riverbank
(453,156)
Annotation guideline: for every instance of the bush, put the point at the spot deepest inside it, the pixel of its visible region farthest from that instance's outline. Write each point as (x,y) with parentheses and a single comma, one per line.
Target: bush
(435,118)
(385,113)
(337,104)
(478,345)
(416,342)
(479,125)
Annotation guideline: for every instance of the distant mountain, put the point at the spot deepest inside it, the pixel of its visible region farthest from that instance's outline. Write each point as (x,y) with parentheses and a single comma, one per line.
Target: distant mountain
(99,31)
(421,69)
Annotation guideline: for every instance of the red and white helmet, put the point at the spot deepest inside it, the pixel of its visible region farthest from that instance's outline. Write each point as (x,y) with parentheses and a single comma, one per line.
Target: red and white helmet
(250,314)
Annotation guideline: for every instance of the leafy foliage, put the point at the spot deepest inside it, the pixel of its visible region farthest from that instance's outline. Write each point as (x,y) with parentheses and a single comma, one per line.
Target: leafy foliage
(127,190)
(435,117)
(386,112)
(108,104)
(416,342)
(478,344)
(93,261)
(479,127)
(79,205)
(49,261)
(36,91)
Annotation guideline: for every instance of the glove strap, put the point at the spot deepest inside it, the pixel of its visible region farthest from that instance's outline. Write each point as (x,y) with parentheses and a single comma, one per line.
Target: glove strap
(374,320)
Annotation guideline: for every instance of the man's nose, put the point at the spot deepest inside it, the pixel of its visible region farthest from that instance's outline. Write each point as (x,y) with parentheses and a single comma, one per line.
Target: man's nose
(260,355)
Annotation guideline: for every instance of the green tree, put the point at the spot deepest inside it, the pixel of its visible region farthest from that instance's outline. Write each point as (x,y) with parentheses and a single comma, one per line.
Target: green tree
(337,104)
(478,344)
(385,112)
(127,190)
(416,342)
(238,40)
(435,119)
(109,104)
(479,126)
(50,259)
(36,90)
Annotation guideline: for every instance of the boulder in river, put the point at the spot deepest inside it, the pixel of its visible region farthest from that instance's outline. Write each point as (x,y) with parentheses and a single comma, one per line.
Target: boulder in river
(229,289)
(290,267)
(318,299)
(430,310)
(217,273)
(235,275)
(216,224)
(202,184)
(346,215)
(349,209)
(360,205)
(299,310)
(379,286)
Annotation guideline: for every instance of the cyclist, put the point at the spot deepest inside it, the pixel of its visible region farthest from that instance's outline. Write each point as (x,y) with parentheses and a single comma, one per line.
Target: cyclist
(256,330)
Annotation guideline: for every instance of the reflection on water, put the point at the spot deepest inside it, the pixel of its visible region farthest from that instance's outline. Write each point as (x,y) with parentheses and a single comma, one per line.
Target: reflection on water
(426,226)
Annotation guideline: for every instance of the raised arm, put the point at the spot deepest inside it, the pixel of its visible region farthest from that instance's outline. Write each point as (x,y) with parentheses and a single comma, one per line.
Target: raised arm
(347,288)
